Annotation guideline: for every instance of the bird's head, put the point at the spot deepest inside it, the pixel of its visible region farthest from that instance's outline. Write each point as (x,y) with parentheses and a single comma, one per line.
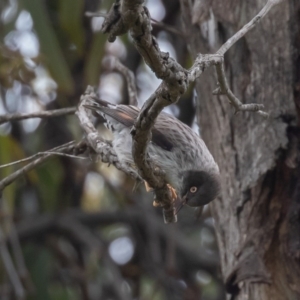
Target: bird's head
(198,188)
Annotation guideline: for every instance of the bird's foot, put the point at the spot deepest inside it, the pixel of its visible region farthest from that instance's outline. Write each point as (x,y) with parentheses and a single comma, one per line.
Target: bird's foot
(156,203)
(173,195)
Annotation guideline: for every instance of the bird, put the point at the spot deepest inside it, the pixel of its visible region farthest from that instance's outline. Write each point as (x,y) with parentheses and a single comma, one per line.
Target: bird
(191,171)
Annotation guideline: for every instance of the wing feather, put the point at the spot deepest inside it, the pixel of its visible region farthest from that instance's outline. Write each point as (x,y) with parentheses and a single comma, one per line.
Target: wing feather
(126,115)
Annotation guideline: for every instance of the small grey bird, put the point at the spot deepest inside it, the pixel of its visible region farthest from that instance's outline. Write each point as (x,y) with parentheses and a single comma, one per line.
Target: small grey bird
(189,166)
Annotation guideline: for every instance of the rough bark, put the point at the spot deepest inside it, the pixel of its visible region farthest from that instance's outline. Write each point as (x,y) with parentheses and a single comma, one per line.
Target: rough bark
(258,216)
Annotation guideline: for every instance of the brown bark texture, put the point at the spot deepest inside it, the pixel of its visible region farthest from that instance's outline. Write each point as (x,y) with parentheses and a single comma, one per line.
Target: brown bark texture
(258,215)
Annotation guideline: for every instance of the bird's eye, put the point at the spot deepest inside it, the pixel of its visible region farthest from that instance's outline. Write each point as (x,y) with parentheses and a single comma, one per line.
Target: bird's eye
(193,189)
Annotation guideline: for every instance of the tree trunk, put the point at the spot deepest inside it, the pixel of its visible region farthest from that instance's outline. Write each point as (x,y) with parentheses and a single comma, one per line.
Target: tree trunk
(258,215)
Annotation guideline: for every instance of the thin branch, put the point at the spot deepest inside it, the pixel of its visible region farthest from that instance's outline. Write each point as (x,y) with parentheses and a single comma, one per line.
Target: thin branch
(39,114)
(13,239)
(156,23)
(18,256)
(102,147)
(248,26)
(41,154)
(12,177)
(203,62)
(10,268)
(149,172)
(62,154)
(113,63)
(166,27)
(91,14)
(225,90)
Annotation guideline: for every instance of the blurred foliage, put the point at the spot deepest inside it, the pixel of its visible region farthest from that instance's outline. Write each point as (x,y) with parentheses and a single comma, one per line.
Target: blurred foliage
(51,50)
(13,67)
(11,150)
(76,219)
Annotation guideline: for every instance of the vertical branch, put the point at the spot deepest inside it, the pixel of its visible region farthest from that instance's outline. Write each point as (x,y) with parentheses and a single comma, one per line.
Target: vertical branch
(112,63)
(10,268)
(102,147)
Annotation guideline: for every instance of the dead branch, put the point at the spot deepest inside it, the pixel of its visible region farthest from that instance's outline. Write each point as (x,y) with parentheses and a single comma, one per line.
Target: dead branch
(155,23)
(202,62)
(10,268)
(168,28)
(68,147)
(250,25)
(134,17)
(18,256)
(41,154)
(224,89)
(102,147)
(39,114)
(113,63)
(12,238)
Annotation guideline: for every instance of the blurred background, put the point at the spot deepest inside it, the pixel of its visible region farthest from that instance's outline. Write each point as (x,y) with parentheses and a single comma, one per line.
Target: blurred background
(74,229)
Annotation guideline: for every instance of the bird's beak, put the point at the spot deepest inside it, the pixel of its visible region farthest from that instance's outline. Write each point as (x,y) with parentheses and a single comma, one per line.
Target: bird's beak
(179,202)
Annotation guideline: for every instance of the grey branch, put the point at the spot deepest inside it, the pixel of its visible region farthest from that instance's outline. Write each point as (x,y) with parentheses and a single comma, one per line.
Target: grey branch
(69,147)
(102,147)
(12,239)
(112,63)
(10,268)
(156,23)
(18,254)
(91,14)
(248,26)
(171,29)
(224,89)
(41,154)
(203,62)
(136,18)
(39,114)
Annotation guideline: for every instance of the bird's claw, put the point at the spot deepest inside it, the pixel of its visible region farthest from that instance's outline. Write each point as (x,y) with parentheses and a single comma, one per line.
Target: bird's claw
(173,192)
(149,189)
(173,195)
(171,189)
(147,186)
(156,204)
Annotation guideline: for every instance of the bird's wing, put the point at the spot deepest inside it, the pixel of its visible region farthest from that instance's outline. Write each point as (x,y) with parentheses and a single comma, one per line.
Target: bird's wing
(126,115)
